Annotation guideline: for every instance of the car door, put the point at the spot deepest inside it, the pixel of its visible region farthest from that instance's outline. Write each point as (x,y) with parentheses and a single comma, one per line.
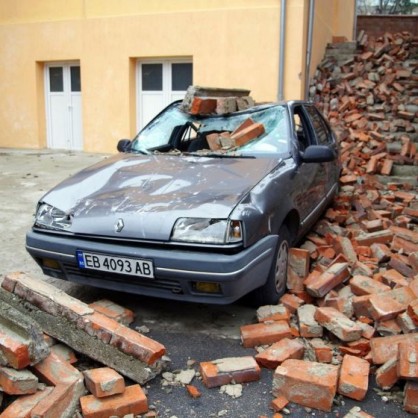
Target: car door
(324,136)
(310,178)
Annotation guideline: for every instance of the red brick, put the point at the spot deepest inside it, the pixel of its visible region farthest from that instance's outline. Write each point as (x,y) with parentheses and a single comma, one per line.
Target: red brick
(384,348)
(103,382)
(332,277)
(264,333)
(382,237)
(308,326)
(381,252)
(272,313)
(17,382)
(291,302)
(362,306)
(60,402)
(224,371)
(279,403)
(323,352)
(408,360)
(387,374)
(338,324)
(132,401)
(23,405)
(15,349)
(297,268)
(413,311)
(388,327)
(48,298)
(279,352)
(310,384)
(193,391)
(247,134)
(354,378)
(122,337)
(392,278)
(202,106)
(363,285)
(65,352)
(356,412)
(406,323)
(389,305)
(53,371)
(112,310)
(410,402)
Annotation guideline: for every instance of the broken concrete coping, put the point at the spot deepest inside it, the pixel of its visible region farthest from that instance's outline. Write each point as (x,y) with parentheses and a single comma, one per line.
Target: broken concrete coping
(91,333)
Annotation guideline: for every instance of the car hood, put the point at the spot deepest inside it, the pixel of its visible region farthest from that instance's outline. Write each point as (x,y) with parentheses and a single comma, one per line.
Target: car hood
(149,193)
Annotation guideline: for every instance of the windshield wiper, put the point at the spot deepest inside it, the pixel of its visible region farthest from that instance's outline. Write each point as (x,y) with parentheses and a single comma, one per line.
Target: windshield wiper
(217,155)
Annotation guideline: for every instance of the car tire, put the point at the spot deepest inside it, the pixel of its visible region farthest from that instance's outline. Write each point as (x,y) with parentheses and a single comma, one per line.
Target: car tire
(275,285)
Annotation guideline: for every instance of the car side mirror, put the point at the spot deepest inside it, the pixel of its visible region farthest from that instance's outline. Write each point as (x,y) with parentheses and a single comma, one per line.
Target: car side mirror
(124,145)
(318,154)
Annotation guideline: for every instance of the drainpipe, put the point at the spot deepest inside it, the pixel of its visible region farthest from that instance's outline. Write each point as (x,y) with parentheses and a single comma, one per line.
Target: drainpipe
(355,21)
(309,46)
(280,95)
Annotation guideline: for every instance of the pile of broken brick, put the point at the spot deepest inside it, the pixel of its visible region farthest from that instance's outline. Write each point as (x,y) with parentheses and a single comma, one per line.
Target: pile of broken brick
(352,305)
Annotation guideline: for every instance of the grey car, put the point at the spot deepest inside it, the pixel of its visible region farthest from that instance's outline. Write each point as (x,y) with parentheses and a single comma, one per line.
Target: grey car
(184,212)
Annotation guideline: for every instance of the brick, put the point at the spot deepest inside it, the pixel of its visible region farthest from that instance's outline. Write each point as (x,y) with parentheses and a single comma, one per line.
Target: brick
(406,323)
(342,304)
(272,313)
(362,346)
(388,327)
(354,378)
(413,311)
(113,310)
(387,374)
(65,352)
(193,391)
(344,246)
(382,237)
(48,298)
(122,337)
(15,349)
(61,402)
(310,384)
(53,371)
(408,360)
(247,134)
(400,263)
(338,324)
(384,348)
(308,327)
(389,305)
(23,405)
(332,277)
(291,302)
(103,381)
(279,403)
(392,278)
(356,412)
(323,352)
(225,105)
(264,333)
(363,285)
(244,125)
(202,106)
(410,401)
(277,353)
(297,268)
(132,401)
(17,382)
(218,140)
(223,371)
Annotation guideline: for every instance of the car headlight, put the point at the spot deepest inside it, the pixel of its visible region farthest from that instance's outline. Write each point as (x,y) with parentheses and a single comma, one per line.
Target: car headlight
(207,231)
(49,217)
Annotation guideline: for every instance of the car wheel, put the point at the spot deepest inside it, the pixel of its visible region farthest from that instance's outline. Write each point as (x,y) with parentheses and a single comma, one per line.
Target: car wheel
(275,285)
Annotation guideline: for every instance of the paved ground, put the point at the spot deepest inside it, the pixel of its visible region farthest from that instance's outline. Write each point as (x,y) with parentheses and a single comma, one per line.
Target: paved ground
(189,331)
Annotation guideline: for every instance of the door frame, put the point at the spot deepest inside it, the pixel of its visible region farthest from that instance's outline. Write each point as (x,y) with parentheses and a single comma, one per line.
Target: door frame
(67,89)
(166,62)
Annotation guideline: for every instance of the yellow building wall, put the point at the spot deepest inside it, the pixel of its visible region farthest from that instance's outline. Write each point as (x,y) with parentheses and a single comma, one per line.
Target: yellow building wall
(233,43)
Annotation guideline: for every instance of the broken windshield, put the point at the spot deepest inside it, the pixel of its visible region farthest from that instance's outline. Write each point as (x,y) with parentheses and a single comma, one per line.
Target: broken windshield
(262,130)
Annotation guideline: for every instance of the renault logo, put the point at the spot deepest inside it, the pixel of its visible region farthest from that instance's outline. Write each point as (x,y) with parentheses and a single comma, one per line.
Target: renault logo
(119,225)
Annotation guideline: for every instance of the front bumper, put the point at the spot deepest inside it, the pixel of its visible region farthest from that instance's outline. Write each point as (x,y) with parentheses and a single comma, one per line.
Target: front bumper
(176,270)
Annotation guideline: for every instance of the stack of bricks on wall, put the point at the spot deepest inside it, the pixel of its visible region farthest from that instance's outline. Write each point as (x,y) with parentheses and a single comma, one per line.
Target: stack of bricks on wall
(351,310)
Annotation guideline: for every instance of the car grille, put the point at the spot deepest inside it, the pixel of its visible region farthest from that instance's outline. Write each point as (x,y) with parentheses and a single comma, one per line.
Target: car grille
(168,285)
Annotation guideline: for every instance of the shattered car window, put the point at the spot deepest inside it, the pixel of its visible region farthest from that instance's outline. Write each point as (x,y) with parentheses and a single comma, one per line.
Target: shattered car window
(175,130)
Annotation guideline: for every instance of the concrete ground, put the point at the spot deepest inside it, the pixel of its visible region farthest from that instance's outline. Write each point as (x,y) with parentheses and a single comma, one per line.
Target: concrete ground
(189,331)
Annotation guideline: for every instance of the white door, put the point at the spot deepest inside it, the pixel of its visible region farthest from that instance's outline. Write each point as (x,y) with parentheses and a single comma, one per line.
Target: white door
(159,84)
(63,106)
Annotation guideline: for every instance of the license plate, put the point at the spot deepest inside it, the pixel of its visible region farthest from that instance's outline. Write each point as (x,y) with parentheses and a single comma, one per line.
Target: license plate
(112,264)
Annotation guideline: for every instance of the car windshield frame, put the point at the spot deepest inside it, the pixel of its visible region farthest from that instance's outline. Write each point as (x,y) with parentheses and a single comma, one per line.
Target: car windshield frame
(275,141)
